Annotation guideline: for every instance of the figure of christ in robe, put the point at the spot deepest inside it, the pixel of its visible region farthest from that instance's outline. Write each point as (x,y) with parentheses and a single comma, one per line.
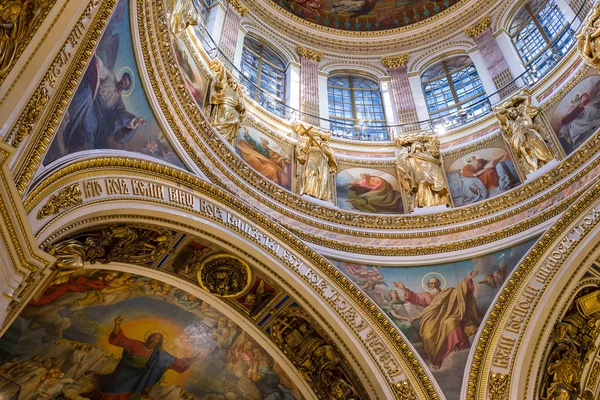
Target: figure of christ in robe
(448,319)
(80,284)
(265,160)
(374,194)
(97,111)
(141,367)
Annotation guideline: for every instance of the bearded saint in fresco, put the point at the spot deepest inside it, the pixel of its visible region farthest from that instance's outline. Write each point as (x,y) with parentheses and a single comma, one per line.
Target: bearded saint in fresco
(448,319)
(141,367)
(374,194)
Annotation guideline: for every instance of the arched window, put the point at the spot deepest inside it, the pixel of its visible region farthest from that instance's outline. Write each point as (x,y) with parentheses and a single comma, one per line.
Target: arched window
(541,34)
(453,92)
(265,73)
(355,108)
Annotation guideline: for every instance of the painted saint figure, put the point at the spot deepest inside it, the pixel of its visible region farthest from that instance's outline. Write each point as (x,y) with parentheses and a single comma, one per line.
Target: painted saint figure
(266,161)
(142,365)
(448,319)
(374,194)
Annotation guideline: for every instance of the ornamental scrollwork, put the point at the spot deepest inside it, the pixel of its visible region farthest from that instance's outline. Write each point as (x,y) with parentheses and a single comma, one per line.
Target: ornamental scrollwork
(498,386)
(224,275)
(309,54)
(67,197)
(319,362)
(395,61)
(420,170)
(30,116)
(522,131)
(481,26)
(588,41)
(574,343)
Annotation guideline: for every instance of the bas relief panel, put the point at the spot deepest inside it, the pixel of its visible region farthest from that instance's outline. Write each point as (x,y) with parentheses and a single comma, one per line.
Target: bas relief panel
(439,308)
(114,335)
(577,116)
(365,15)
(481,174)
(368,190)
(110,109)
(265,155)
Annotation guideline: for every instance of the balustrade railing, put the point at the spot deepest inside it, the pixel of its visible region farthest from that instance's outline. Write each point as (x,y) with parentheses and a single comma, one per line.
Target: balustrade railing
(536,70)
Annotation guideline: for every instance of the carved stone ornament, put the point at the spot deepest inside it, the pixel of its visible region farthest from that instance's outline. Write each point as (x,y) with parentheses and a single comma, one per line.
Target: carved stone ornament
(309,54)
(522,131)
(115,243)
(588,41)
(224,275)
(227,107)
(404,391)
(239,7)
(318,362)
(182,13)
(478,28)
(395,61)
(30,116)
(574,344)
(316,162)
(497,386)
(67,197)
(420,170)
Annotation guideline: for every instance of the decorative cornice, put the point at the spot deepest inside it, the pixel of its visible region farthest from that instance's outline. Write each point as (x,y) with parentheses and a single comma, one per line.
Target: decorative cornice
(310,54)
(239,7)
(395,61)
(480,27)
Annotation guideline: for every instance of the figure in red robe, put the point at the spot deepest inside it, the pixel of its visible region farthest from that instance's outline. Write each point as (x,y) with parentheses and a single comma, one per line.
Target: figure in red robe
(448,319)
(80,284)
(141,367)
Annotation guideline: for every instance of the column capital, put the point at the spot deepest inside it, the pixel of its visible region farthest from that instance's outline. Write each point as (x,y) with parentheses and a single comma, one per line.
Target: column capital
(395,61)
(481,26)
(309,54)
(239,7)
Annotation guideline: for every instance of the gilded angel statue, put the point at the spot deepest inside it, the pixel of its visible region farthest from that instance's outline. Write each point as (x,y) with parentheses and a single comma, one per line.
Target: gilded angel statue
(588,41)
(317,162)
(228,109)
(518,128)
(420,171)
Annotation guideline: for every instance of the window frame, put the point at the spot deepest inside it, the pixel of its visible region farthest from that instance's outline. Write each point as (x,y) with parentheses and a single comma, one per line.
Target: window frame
(275,100)
(360,126)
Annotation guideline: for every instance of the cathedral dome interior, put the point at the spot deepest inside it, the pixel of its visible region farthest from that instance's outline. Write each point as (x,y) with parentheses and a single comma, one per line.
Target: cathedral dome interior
(300,199)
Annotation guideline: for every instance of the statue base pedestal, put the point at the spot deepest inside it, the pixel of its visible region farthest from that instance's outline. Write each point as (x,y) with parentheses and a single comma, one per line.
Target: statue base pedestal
(429,210)
(541,171)
(318,201)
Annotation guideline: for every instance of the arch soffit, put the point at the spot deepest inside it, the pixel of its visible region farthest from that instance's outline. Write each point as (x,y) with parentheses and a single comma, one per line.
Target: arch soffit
(311,265)
(534,300)
(347,67)
(433,56)
(506,15)
(284,52)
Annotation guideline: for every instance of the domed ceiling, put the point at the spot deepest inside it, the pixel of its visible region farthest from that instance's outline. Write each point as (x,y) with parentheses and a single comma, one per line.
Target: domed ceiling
(365,15)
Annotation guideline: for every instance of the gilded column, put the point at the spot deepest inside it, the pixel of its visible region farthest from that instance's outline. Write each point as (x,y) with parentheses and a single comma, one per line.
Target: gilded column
(309,84)
(402,92)
(231,27)
(492,55)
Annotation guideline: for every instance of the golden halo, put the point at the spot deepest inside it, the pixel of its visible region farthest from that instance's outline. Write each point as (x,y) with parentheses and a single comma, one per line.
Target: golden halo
(433,273)
(164,334)
(120,75)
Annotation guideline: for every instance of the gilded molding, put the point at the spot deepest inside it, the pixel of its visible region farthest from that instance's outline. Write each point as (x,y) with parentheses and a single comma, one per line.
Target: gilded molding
(239,7)
(481,26)
(395,61)
(67,197)
(29,117)
(309,54)
(497,386)
(20,38)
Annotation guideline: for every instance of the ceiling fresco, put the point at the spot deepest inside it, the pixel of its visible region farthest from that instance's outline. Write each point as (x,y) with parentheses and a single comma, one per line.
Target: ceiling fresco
(365,15)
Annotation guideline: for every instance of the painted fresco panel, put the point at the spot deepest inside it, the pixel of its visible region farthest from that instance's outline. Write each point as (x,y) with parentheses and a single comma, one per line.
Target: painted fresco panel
(364,15)
(439,307)
(577,115)
(104,332)
(110,109)
(368,190)
(480,175)
(265,155)
(195,80)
